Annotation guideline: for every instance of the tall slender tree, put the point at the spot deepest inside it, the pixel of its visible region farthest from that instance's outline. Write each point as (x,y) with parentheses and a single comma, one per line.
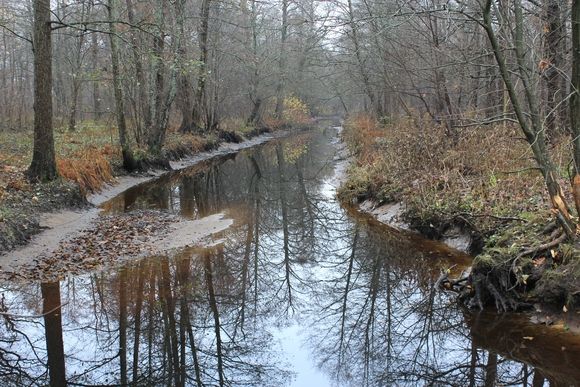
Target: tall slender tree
(128,159)
(43,166)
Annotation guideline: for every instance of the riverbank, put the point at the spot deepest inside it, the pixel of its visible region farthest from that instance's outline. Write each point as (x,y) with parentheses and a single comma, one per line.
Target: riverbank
(484,189)
(37,218)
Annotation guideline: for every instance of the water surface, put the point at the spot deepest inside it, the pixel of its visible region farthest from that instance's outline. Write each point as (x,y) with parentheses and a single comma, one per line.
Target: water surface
(299,292)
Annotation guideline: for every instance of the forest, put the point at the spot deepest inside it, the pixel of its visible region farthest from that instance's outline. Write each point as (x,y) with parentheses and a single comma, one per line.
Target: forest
(165,154)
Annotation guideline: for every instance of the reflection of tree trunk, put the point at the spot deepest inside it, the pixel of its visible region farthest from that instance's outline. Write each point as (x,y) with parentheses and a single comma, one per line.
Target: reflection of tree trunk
(196,366)
(51,309)
(373,292)
(345,298)
(143,270)
(169,310)
(491,370)
(182,321)
(150,326)
(256,217)
(308,225)
(200,195)
(472,364)
(123,325)
(245,265)
(186,197)
(185,322)
(285,230)
(214,309)
(539,379)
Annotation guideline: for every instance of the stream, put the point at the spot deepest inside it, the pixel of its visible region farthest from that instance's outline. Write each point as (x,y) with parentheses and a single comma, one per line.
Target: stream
(299,291)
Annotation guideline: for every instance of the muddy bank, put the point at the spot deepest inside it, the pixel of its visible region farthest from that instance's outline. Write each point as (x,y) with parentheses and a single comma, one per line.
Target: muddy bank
(24,210)
(112,239)
(455,235)
(30,227)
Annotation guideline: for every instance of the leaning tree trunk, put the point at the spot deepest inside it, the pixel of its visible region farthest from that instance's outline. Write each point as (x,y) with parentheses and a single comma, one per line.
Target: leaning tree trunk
(43,166)
(531,128)
(575,100)
(128,160)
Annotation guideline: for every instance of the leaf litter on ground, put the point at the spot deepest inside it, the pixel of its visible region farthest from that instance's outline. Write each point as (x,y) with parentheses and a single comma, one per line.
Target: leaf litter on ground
(110,240)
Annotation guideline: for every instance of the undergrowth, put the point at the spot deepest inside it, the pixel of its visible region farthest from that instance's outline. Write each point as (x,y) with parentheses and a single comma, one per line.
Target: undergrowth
(486,176)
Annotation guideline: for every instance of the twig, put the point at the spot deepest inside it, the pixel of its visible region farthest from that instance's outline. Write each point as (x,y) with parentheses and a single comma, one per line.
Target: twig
(493,216)
(33,316)
(545,246)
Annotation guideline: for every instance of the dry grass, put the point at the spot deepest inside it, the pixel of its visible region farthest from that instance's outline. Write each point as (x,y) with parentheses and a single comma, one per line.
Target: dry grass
(89,168)
(488,172)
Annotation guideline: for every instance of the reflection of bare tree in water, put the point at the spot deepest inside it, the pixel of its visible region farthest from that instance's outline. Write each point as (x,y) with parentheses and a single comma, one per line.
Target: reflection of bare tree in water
(285,232)
(383,323)
(205,316)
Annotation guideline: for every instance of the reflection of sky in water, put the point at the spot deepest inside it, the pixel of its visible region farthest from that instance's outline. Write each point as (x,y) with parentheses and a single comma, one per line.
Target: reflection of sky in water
(303,295)
(292,344)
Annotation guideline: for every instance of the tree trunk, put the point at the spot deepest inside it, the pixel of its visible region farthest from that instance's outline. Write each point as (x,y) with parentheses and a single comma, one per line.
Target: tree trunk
(282,62)
(255,116)
(360,62)
(143,112)
(575,100)
(200,103)
(164,88)
(96,91)
(128,161)
(552,67)
(72,120)
(43,166)
(76,74)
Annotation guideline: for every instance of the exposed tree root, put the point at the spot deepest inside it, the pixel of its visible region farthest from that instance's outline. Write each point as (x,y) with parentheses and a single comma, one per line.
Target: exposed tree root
(504,283)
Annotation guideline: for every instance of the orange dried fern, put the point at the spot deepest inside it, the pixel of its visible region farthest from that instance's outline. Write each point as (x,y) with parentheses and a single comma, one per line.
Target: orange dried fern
(89,168)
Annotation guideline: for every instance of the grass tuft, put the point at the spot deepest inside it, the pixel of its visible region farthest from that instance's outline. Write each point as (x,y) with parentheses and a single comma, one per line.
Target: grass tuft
(89,168)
